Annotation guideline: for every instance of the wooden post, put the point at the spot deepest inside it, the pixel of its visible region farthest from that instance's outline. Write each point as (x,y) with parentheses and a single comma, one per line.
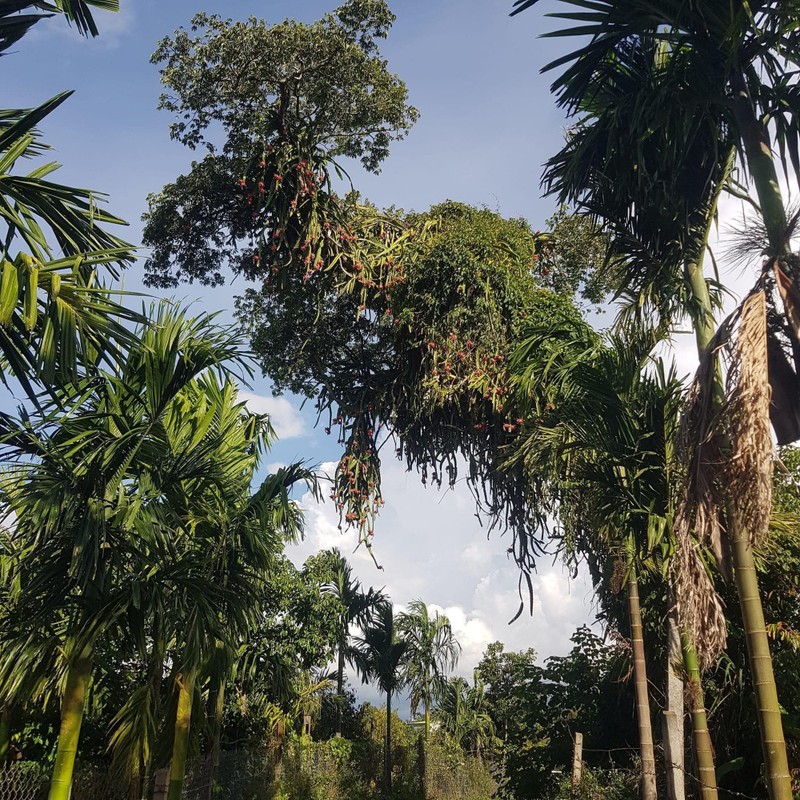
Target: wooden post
(577,761)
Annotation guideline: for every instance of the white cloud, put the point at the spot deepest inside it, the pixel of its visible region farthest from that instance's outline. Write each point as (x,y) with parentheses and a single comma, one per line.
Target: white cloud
(432,547)
(284,416)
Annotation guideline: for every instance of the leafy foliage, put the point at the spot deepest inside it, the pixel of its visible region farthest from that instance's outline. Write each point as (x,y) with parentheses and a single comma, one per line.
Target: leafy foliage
(537,709)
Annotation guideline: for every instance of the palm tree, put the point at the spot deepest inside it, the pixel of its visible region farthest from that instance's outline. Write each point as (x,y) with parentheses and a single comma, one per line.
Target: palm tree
(84,548)
(356,607)
(431,651)
(379,656)
(604,443)
(463,715)
(228,540)
(717,86)
(54,317)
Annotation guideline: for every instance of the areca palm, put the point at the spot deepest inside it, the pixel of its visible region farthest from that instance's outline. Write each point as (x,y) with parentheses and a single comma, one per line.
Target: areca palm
(720,81)
(463,715)
(379,656)
(227,537)
(603,443)
(356,607)
(85,554)
(54,316)
(431,651)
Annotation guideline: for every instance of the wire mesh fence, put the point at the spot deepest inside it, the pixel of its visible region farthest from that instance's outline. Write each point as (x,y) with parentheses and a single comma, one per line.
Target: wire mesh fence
(23,781)
(28,780)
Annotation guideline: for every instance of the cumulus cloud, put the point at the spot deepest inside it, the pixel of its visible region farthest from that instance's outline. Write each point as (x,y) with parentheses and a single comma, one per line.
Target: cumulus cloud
(284,416)
(433,548)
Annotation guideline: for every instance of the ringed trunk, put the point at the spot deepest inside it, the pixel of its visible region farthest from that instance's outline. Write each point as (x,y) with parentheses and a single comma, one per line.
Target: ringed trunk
(776,764)
(218,696)
(72,704)
(387,755)
(180,745)
(648,780)
(704,751)
(340,690)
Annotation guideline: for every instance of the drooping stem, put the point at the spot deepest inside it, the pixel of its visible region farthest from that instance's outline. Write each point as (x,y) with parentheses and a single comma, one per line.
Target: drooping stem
(72,704)
(180,745)
(648,780)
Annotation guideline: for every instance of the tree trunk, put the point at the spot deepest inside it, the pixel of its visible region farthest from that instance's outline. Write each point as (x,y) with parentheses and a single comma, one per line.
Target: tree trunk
(648,780)
(776,764)
(340,689)
(761,165)
(180,745)
(5,733)
(218,709)
(387,755)
(78,676)
(427,721)
(703,749)
(673,737)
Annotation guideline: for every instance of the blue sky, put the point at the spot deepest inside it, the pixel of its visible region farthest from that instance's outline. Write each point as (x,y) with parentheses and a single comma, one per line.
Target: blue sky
(487,123)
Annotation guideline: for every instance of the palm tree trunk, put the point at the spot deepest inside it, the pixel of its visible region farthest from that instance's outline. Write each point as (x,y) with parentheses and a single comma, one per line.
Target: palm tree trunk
(180,745)
(761,165)
(387,755)
(78,676)
(673,736)
(762,168)
(427,721)
(776,763)
(648,780)
(704,751)
(5,733)
(218,696)
(340,689)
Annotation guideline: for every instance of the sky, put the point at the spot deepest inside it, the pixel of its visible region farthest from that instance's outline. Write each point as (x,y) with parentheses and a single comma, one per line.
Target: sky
(487,123)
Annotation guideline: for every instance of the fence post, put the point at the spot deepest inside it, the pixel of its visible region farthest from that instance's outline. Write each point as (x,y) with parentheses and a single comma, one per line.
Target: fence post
(577,760)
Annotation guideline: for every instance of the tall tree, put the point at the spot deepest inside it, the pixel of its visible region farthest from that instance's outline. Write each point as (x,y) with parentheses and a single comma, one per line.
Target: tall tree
(380,657)
(431,652)
(79,513)
(604,441)
(55,318)
(721,70)
(355,608)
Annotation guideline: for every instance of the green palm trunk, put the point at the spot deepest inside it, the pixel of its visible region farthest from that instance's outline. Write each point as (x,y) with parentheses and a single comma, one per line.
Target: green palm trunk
(427,721)
(5,732)
(180,746)
(769,715)
(387,755)
(340,687)
(218,710)
(72,704)
(647,752)
(776,763)
(703,749)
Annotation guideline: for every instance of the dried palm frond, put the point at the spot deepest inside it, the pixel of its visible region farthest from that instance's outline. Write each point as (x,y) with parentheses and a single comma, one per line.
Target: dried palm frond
(725,442)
